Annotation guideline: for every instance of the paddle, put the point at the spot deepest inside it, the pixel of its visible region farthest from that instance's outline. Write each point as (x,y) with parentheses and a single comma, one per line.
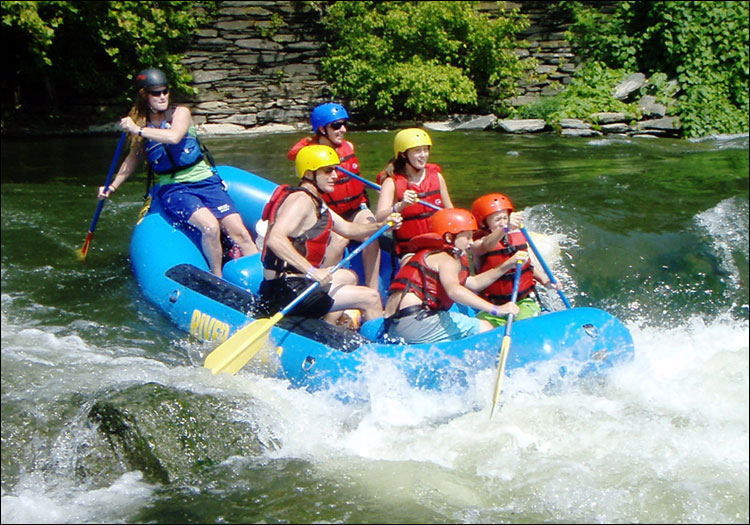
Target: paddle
(505,347)
(544,265)
(377,186)
(234,353)
(85,248)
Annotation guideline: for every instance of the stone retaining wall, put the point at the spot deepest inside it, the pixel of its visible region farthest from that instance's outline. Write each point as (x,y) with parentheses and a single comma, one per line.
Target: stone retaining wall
(256,64)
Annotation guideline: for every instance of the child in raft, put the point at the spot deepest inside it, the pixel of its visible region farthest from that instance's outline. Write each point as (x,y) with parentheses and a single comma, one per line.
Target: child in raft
(496,244)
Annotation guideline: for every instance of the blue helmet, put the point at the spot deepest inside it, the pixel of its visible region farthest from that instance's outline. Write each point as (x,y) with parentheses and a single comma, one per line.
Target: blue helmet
(324,114)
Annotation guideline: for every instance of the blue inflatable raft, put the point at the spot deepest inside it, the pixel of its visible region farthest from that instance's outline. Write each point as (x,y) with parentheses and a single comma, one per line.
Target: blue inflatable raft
(173,274)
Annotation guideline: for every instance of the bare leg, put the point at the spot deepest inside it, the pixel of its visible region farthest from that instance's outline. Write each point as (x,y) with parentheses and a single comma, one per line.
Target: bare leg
(346,296)
(371,254)
(236,230)
(210,230)
(485,326)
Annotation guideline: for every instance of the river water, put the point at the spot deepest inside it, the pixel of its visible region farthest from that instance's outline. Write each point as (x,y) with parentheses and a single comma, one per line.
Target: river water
(654,231)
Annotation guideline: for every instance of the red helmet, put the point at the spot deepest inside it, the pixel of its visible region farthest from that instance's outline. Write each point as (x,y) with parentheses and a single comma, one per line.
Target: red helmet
(488,204)
(453,220)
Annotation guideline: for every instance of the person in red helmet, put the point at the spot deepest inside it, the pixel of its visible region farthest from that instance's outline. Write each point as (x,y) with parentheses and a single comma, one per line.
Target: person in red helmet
(436,276)
(499,239)
(190,190)
(348,198)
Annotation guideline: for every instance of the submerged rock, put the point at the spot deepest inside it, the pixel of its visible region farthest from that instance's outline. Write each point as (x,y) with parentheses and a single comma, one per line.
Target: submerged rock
(170,434)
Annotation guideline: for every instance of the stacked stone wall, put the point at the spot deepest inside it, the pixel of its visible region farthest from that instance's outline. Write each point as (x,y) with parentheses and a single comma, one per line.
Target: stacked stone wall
(257,62)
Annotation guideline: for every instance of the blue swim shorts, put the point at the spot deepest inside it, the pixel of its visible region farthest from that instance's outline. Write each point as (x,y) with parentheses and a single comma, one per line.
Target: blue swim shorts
(181,199)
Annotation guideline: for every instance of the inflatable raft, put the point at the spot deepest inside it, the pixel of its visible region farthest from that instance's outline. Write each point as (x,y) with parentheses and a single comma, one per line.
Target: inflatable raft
(173,274)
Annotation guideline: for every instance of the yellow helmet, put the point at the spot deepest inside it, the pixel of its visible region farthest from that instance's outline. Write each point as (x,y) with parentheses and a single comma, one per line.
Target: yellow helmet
(315,157)
(410,138)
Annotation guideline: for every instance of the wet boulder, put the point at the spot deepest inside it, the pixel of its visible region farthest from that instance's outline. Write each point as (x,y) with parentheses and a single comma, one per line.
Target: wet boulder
(171,434)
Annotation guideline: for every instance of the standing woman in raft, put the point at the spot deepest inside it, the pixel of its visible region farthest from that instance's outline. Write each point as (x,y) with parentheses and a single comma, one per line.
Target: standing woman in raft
(190,190)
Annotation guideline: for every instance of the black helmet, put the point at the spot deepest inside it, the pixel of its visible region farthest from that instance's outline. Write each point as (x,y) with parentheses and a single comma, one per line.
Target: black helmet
(149,78)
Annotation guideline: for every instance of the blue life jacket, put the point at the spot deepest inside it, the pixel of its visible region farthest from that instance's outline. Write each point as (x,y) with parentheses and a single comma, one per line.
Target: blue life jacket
(171,158)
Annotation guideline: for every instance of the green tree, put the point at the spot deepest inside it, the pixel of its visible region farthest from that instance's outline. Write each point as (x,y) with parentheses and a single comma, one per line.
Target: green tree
(57,50)
(704,45)
(414,59)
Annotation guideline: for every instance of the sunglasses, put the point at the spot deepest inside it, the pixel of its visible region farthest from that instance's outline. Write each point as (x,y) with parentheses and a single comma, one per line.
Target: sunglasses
(164,91)
(337,125)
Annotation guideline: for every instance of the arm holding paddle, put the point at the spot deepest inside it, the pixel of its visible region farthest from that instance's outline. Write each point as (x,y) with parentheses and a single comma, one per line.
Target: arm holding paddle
(486,243)
(388,202)
(107,185)
(127,168)
(480,281)
(290,225)
(515,223)
(234,353)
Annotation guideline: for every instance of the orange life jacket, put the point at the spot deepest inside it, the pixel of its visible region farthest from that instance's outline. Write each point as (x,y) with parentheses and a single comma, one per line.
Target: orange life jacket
(501,291)
(311,244)
(416,218)
(417,277)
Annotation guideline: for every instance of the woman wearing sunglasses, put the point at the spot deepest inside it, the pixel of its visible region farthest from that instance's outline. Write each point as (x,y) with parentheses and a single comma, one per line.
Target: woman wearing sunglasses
(348,199)
(190,191)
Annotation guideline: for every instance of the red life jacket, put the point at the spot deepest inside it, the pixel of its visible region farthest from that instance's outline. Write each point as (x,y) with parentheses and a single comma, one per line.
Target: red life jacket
(348,193)
(501,291)
(415,276)
(311,244)
(416,218)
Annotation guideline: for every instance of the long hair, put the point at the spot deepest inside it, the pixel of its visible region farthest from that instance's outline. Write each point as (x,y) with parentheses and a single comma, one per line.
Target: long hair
(397,165)
(139,114)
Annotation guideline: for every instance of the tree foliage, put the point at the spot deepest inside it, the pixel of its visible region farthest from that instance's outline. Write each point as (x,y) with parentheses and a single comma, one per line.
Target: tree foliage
(704,45)
(589,92)
(68,49)
(413,59)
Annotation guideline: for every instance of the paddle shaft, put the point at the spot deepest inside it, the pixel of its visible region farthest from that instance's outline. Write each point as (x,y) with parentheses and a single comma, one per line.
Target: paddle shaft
(544,265)
(505,347)
(378,187)
(234,353)
(99,207)
(513,297)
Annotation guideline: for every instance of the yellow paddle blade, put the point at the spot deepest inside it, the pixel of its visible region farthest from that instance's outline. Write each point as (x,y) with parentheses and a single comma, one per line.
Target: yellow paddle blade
(234,353)
(500,373)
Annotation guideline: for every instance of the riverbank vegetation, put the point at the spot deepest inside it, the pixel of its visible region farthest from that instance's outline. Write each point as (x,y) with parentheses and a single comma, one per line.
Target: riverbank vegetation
(58,52)
(417,59)
(401,60)
(702,45)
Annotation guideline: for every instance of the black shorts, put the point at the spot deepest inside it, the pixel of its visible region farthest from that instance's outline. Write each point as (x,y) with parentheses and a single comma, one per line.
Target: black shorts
(278,293)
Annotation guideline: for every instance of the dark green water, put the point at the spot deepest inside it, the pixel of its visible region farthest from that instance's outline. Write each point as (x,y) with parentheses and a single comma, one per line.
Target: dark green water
(653,231)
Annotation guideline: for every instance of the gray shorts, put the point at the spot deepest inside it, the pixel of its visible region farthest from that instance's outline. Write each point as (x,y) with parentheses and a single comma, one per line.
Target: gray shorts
(438,326)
